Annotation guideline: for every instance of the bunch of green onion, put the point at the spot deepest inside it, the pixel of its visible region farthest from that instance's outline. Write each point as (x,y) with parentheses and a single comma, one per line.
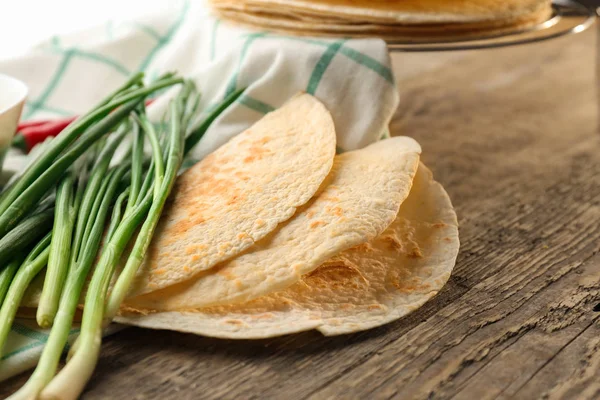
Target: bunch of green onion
(81,209)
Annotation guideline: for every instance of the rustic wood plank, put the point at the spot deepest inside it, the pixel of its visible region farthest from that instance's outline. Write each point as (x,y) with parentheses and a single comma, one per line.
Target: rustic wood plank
(511,133)
(574,371)
(520,242)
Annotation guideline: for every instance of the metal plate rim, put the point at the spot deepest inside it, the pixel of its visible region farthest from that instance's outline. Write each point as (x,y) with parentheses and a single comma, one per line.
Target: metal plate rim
(560,24)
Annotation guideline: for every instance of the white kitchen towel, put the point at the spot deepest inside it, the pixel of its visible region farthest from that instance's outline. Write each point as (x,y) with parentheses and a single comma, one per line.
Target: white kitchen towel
(66,75)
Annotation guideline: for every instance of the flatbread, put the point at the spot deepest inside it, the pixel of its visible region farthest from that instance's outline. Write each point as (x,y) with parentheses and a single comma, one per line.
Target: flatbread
(409,33)
(409,20)
(361,288)
(359,199)
(396,11)
(240,193)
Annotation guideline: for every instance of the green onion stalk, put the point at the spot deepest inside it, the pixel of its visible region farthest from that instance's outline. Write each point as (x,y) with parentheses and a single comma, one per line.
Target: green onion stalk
(7,275)
(58,260)
(101,189)
(47,169)
(61,142)
(136,190)
(33,264)
(67,207)
(28,232)
(76,279)
(137,157)
(70,382)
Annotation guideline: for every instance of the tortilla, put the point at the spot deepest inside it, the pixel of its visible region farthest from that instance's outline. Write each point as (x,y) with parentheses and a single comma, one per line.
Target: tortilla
(361,288)
(398,11)
(410,33)
(240,193)
(400,20)
(359,199)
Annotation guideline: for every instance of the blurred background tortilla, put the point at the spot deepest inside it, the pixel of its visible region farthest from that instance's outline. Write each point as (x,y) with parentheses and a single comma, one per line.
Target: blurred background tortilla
(393,20)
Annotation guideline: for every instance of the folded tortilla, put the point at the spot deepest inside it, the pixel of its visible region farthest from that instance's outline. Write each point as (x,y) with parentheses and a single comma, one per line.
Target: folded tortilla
(359,199)
(361,288)
(240,193)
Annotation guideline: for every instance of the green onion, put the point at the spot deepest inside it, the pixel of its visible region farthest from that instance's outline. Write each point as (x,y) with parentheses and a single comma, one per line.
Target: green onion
(28,190)
(69,383)
(33,264)
(78,273)
(137,155)
(60,248)
(99,174)
(175,158)
(7,275)
(79,163)
(24,235)
(157,159)
(61,142)
(116,216)
(34,192)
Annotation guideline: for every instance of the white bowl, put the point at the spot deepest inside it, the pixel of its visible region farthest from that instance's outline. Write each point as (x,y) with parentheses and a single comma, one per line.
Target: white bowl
(12,97)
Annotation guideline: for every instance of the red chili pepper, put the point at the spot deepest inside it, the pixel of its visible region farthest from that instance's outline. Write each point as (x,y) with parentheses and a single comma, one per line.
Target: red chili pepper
(28,124)
(36,134)
(30,133)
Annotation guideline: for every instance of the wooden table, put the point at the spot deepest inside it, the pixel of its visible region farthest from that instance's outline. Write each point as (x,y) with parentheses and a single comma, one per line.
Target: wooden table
(512,135)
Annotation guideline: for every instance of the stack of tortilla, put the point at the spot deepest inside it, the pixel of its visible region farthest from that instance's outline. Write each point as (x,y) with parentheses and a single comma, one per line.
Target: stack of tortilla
(404,20)
(274,233)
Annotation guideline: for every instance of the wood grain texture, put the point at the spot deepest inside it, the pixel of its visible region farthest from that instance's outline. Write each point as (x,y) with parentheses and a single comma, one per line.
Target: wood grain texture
(512,134)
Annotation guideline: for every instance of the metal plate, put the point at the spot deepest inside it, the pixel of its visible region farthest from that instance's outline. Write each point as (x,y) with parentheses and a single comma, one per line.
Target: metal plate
(569,17)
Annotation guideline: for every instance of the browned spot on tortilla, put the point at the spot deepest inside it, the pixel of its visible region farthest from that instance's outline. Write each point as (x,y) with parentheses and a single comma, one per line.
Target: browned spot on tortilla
(123,310)
(310,214)
(334,199)
(392,240)
(447,239)
(338,211)
(263,316)
(235,199)
(181,227)
(256,152)
(415,252)
(234,322)
(315,224)
(159,271)
(440,225)
(226,273)
(375,307)
(409,285)
(224,246)
(336,274)
(363,248)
